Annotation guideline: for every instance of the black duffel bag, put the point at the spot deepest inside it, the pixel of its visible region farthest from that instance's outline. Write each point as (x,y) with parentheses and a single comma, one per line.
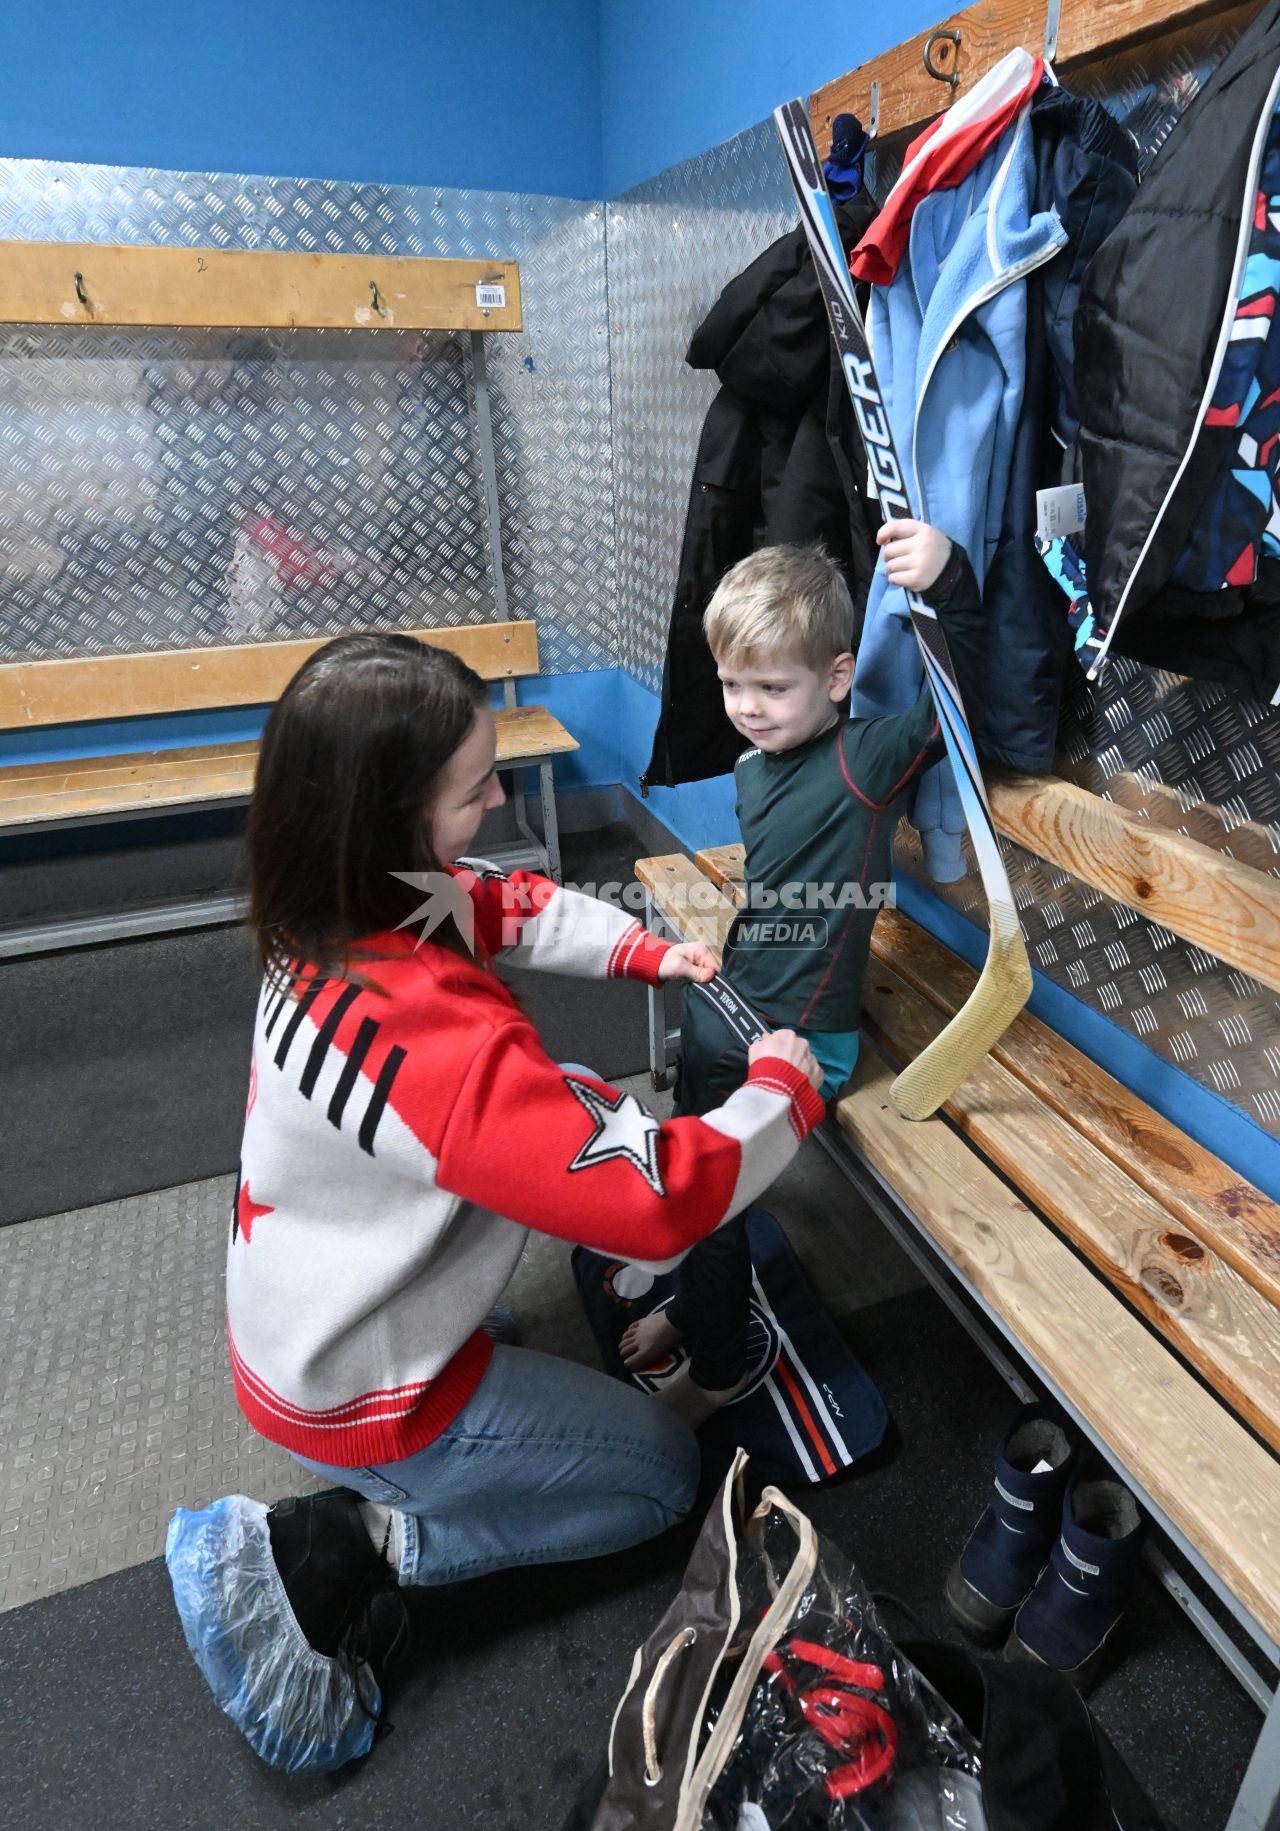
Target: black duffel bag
(770,1695)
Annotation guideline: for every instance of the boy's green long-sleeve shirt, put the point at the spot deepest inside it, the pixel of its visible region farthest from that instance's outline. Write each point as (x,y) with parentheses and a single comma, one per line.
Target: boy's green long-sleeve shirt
(818,823)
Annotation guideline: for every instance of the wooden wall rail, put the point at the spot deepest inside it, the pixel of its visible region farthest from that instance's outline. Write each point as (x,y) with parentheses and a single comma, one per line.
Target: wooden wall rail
(1229,909)
(1088,29)
(96,283)
(249,674)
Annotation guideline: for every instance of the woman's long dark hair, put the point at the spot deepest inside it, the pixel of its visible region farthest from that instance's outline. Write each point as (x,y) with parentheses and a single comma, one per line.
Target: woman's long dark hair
(350,762)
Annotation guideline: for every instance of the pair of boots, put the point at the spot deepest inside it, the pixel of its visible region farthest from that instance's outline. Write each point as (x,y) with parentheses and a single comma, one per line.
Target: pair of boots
(1049,1566)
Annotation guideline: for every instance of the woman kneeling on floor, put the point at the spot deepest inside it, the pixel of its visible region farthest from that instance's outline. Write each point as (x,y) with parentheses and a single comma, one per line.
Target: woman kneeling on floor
(404,1129)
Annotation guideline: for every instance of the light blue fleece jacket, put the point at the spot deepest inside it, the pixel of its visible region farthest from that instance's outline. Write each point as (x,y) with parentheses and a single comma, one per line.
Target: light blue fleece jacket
(949,341)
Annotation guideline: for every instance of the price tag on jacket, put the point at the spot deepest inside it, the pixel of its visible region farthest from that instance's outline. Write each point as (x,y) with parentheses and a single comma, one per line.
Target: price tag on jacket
(1059,512)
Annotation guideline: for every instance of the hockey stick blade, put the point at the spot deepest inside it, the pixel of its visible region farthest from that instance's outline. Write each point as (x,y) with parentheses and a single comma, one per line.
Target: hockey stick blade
(1004,985)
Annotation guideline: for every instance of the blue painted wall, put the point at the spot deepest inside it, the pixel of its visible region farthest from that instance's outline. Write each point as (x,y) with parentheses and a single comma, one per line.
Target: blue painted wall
(678,76)
(500,97)
(580,98)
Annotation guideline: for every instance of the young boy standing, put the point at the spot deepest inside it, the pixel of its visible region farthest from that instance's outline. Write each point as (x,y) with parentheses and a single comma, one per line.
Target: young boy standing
(817,801)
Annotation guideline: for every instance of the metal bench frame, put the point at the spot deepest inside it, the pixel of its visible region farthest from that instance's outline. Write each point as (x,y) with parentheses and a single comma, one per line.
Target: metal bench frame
(1257,1804)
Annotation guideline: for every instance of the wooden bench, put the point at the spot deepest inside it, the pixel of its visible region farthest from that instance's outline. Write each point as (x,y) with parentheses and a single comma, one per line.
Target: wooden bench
(1122,1257)
(38,797)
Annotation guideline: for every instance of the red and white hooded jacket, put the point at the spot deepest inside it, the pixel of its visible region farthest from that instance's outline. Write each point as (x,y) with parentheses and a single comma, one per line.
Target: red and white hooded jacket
(402,1135)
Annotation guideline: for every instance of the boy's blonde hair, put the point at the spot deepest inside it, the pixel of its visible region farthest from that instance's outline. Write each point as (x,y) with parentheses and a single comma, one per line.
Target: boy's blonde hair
(790,600)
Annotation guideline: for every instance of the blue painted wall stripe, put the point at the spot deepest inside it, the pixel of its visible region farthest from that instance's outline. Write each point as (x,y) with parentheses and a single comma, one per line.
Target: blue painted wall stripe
(576,98)
(613,716)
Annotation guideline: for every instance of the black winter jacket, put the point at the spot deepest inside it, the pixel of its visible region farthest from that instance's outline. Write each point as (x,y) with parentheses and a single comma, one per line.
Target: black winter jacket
(779,460)
(1151,311)
(1086,169)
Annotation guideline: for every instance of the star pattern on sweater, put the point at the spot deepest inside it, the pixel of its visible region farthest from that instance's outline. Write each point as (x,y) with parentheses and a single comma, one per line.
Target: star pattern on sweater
(248,1211)
(623,1129)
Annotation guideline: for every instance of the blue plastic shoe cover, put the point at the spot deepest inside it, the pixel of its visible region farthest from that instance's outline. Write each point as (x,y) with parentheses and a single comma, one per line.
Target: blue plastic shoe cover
(301,1711)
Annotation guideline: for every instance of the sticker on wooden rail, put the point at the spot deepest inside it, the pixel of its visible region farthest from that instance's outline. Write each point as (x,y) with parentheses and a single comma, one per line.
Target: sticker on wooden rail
(491,297)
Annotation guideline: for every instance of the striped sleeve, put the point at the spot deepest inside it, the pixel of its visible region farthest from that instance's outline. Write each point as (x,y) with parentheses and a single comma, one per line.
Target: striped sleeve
(574,1157)
(540,924)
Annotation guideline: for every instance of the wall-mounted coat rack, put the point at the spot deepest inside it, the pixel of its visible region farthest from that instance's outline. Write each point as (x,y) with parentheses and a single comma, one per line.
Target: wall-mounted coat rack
(98,284)
(93,283)
(928,72)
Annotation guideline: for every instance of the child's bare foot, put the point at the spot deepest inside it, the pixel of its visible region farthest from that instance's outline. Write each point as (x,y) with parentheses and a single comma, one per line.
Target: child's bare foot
(648,1339)
(695,1404)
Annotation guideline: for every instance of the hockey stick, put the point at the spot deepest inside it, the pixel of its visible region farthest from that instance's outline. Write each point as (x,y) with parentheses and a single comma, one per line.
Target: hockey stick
(1005,981)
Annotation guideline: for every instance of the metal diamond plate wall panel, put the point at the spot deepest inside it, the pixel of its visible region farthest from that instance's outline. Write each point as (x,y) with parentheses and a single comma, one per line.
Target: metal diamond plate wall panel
(1217,1024)
(674,242)
(164,489)
(554,443)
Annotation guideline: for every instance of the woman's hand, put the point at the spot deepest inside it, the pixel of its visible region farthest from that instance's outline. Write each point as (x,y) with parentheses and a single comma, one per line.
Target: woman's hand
(688,960)
(787,1046)
(914,553)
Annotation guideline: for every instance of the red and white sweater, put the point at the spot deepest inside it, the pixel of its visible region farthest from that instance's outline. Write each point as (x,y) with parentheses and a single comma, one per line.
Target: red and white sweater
(400,1142)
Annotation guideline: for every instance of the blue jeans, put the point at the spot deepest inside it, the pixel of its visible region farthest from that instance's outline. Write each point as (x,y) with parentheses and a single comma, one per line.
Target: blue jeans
(548,1462)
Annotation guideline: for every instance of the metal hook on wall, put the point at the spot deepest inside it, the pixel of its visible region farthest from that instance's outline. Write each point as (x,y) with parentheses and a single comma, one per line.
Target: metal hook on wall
(377,299)
(950,77)
(873,118)
(81,294)
(1051,23)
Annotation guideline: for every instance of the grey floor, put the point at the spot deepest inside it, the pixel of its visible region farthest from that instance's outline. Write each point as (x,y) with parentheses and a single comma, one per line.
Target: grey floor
(116,1403)
(116,1406)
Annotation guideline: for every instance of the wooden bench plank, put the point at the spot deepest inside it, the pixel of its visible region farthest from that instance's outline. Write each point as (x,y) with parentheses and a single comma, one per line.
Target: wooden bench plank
(1202,1194)
(137,795)
(129,284)
(145,780)
(20,781)
(246,674)
(1199,1303)
(1193,1460)
(1213,1480)
(31,771)
(1229,909)
(531,731)
(699,911)
(726,866)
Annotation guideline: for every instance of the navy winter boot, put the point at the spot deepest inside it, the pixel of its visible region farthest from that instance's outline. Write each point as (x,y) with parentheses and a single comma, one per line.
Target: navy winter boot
(1068,1617)
(1008,1547)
